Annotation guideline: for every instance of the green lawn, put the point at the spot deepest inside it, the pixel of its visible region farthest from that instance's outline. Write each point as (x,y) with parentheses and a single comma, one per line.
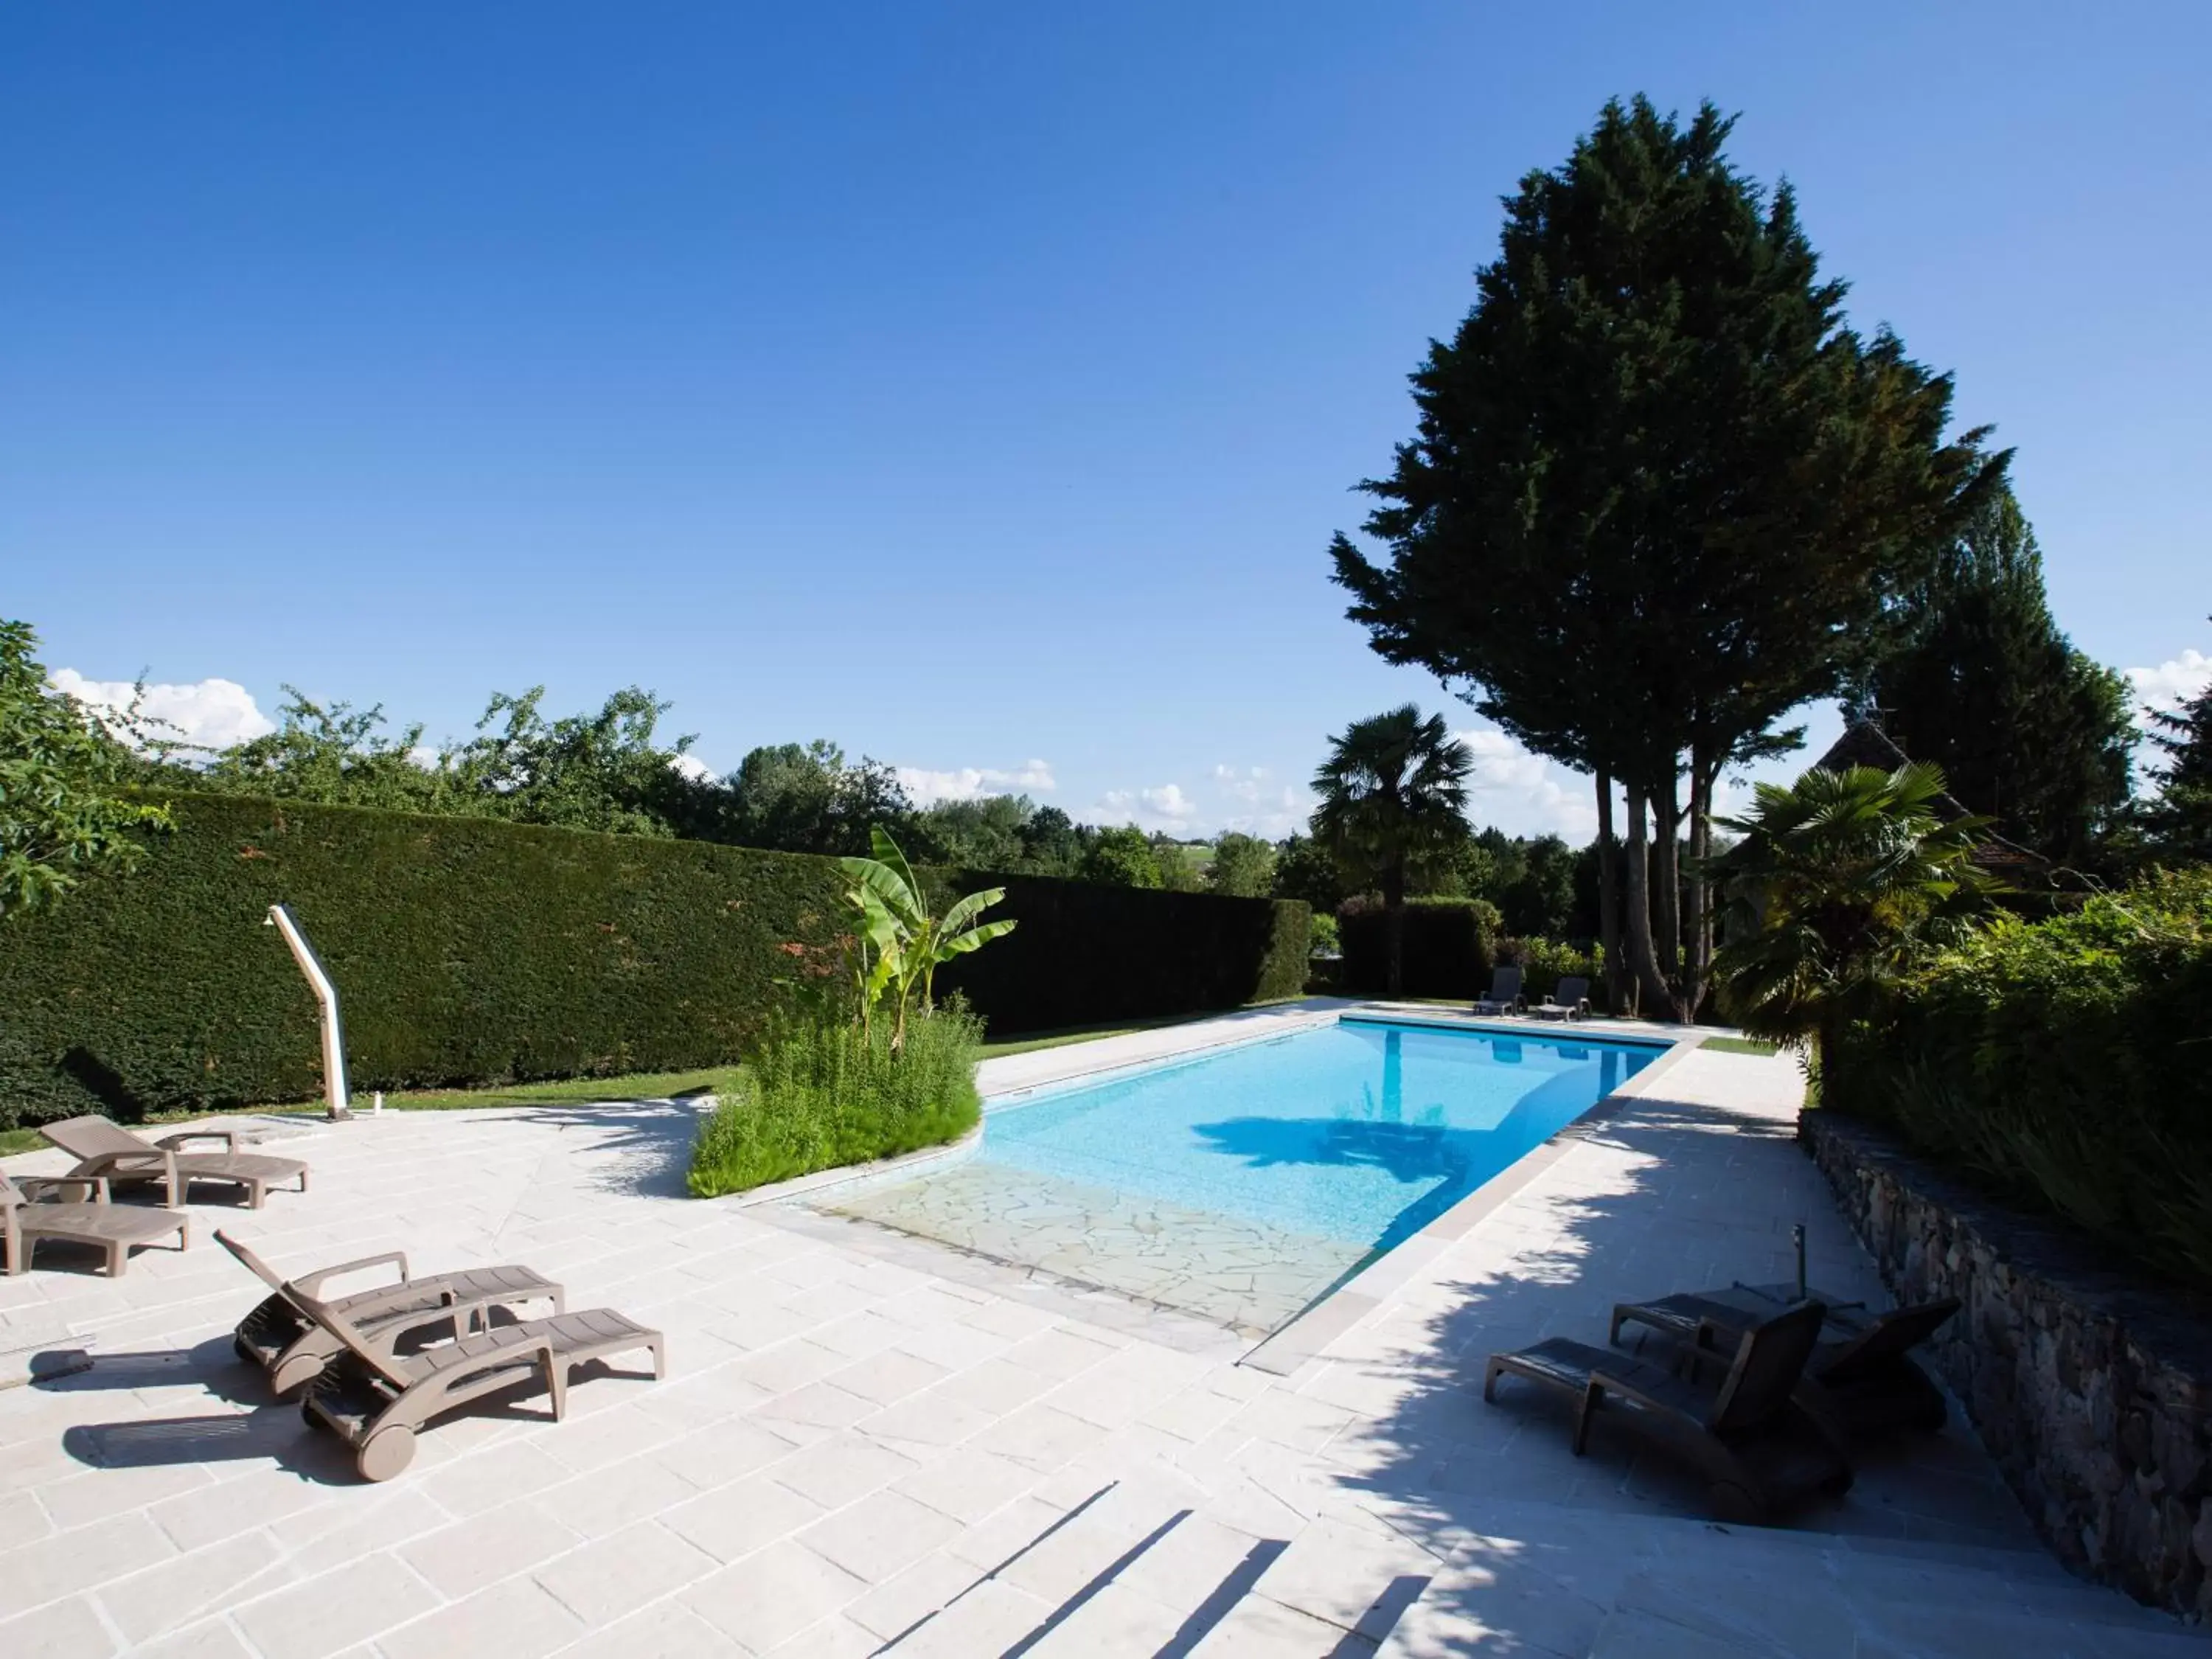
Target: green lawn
(1728,1045)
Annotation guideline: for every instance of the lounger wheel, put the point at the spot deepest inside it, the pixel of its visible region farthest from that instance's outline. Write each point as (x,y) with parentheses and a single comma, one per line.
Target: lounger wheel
(386,1452)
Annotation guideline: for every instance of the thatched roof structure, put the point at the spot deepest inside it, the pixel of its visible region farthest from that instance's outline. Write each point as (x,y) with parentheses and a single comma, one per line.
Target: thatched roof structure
(1865,743)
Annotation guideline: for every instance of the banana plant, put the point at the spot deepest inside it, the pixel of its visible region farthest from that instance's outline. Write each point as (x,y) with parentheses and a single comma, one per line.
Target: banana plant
(900,944)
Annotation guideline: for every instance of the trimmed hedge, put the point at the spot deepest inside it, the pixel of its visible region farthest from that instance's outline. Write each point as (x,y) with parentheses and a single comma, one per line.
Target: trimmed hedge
(2063,1064)
(1448,948)
(1085,953)
(474,951)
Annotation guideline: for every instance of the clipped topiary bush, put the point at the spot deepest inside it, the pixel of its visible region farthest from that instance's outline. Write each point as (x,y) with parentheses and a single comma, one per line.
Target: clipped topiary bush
(2062,1063)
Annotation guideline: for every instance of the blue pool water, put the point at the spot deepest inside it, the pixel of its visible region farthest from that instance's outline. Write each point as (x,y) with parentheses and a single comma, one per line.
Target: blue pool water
(1359,1132)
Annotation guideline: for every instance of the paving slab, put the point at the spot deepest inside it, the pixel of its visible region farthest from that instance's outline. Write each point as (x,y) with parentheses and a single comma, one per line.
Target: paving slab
(868,1436)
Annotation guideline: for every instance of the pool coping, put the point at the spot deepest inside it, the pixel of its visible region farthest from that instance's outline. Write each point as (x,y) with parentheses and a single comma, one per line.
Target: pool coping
(1365,1289)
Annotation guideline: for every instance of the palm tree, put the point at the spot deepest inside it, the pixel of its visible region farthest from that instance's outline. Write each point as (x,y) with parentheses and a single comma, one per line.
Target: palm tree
(1838,882)
(1394,787)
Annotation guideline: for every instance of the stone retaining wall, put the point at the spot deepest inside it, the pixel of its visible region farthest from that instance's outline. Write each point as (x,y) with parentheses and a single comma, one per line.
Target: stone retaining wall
(2091,1388)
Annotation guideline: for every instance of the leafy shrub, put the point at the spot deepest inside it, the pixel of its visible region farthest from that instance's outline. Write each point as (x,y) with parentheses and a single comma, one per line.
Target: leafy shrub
(823,1093)
(1448,946)
(472,951)
(1322,937)
(2062,1063)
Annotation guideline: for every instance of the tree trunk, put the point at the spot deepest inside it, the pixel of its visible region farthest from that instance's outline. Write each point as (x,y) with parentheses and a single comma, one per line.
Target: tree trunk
(1394,927)
(1699,943)
(1643,961)
(1667,883)
(1617,997)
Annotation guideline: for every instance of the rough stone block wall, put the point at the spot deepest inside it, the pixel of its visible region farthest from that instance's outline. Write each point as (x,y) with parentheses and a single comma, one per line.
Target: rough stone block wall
(2091,1387)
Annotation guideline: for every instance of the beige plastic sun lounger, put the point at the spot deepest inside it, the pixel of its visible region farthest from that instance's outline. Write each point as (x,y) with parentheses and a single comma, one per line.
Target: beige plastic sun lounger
(1753,1439)
(29,1212)
(104,1148)
(293,1349)
(376,1401)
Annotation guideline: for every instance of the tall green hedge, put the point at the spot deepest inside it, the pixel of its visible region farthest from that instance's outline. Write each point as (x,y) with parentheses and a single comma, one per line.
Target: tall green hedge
(1447,948)
(476,951)
(1084,953)
(2065,1064)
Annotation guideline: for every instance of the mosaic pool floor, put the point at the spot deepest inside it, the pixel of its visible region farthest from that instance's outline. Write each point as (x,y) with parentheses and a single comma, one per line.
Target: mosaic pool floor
(1246,1275)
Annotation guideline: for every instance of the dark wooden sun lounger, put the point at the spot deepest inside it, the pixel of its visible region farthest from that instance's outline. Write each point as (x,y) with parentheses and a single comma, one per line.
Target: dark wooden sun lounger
(376,1400)
(104,1148)
(1758,1448)
(30,1211)
(1861,1361)
(1569,1000)
(1504,993)
(293,1349)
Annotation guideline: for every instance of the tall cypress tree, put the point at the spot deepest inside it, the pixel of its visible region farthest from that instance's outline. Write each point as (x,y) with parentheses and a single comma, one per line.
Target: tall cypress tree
(1660,494)
(2179,821)
(2027,729)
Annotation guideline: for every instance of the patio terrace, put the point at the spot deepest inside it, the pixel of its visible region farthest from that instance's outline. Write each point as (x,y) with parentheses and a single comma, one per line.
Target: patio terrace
(870,1443)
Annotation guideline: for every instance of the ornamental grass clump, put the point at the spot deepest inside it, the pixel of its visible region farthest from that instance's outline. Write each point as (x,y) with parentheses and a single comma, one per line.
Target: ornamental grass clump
(819,1094)
(868,1066)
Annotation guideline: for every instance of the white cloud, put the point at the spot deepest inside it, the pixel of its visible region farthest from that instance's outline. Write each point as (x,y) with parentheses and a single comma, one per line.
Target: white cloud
(1169,802)
(2171,684)
(1248,784)
(1523,794)
(926,788)
(216,713)
(692,766)
(1164,807)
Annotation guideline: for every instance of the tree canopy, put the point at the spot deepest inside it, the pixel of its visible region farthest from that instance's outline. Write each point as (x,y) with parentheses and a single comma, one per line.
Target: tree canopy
(63,814)
(2179,821)
(1244,866)
(1659,492)
(2025,728)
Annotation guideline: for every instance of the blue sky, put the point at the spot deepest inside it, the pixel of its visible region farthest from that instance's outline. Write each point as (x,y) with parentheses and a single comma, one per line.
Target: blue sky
(976,385)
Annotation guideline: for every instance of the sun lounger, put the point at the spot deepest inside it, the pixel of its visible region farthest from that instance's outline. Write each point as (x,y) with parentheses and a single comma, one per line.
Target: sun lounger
(103,1148)
(1757,1447)
(375,1400)
(1569,1001)
(293,1349)
(29,1211)
(1862,1362)
(1504,993)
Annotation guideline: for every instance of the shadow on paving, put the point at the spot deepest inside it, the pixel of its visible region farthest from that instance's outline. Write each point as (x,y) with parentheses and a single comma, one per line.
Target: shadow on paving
(640,1148)
(1548,1543)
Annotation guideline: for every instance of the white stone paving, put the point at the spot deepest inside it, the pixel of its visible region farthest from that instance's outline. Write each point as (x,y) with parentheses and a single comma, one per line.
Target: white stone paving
(866,1440)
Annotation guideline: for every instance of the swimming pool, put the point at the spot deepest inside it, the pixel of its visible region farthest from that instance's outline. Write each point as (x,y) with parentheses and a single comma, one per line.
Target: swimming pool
(1241,1183)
